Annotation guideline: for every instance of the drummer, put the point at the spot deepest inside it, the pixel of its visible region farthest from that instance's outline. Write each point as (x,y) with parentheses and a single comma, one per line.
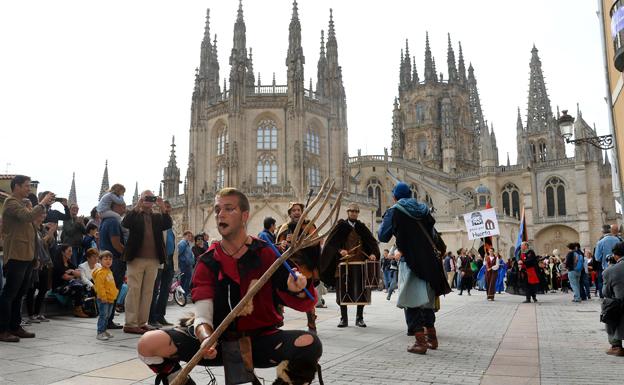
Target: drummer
(349,241)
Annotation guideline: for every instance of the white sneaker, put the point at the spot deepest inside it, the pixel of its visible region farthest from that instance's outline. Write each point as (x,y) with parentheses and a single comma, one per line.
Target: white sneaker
(42,318)
(108,334)
(34,319)
(102,337)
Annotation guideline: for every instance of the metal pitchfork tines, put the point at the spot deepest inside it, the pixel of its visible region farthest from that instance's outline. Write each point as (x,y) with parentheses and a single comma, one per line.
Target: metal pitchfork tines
(300,240)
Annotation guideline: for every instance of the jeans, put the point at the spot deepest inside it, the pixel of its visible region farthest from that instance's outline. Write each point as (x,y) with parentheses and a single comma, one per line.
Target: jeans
(599,283)
(387,277)
(586,283)
(77,256)
(187,270)
(158,309)
(119,271)
(574,278)
(105,310)
(417,318)
(17,282)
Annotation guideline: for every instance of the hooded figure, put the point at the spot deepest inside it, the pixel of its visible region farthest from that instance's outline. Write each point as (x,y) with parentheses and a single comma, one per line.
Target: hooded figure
(421,274)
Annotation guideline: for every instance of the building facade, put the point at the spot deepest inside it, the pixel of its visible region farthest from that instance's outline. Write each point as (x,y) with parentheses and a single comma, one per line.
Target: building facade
(278,142)
(274,142)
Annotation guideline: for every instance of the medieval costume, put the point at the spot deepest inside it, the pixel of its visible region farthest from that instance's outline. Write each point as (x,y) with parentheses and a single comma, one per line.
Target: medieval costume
(500,280)
(359,243)
(465,271)
(531,279)
(491,275)
(253,339)
(306,260)
(421,274)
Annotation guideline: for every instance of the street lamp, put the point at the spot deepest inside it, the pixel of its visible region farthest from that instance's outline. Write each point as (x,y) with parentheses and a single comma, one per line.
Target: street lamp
(566,126)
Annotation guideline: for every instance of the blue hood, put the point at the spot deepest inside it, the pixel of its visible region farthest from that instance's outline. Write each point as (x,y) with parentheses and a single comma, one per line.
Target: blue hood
(412,207)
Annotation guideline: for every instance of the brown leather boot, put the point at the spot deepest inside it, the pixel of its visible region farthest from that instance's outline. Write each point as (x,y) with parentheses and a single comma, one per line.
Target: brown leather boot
(432,339)
(420,345)
(311,320)
(78,312)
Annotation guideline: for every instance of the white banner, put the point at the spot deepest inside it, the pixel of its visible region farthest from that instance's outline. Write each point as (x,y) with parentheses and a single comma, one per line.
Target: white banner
(480,224)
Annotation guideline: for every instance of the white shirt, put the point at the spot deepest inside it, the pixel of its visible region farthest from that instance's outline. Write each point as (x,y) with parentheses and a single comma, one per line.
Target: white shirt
(86,273)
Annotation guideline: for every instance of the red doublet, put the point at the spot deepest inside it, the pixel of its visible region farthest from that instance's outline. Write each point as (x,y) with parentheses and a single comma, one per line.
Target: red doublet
(532,277)
(264,313)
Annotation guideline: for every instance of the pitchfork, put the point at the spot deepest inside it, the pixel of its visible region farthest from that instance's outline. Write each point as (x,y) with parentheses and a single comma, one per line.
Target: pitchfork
(300,240)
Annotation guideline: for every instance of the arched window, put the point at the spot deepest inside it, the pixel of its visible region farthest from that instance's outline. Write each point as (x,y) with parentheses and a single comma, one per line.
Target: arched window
(511,200)
(267,135)
(420,112)
(220,181)
(421,144)
(374,193)
(533,151)
(312,142)
(222,141)
(555,205)
(314,175)
(414,190)
(266,171)
(542,151)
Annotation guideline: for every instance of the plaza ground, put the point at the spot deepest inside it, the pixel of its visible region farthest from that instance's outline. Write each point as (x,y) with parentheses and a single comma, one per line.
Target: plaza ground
(504,342)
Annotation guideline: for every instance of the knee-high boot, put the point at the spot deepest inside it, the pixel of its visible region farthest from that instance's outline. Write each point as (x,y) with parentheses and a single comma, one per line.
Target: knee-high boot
(432,339)
(420,345)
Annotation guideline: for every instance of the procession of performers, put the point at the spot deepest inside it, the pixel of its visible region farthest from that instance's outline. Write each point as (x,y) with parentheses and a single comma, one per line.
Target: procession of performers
(349,262)
(255,339)
(306,260)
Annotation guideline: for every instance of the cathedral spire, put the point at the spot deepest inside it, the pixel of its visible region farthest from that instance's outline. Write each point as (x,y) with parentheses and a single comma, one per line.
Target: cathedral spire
(461,67)
(71,199)
(397,134)
(135,197)
(171,174)
(321,69)
(207,75)
(475,102)
(430,72)
(415,79)
(332,44)
(239,62)
(539,110)
(104,187)
(406,68)
(250,72)
(295,61)
(450,59)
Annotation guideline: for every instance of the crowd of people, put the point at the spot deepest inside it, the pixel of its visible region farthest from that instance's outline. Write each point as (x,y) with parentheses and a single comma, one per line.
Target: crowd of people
(124,260)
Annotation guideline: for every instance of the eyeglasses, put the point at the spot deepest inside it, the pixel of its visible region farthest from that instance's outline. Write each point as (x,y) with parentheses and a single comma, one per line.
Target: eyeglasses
(353,211)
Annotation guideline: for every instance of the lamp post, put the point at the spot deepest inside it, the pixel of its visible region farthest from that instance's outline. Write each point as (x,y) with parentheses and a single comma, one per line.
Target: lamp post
(566,125)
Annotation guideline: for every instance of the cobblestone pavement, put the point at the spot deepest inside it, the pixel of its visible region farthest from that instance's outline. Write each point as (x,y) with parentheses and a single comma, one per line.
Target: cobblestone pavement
(501,342)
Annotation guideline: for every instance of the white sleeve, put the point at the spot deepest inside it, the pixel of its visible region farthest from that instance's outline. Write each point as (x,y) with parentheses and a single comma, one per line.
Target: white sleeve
(204,310)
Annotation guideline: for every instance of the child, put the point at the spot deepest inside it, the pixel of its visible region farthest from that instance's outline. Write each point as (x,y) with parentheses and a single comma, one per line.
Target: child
(114,195)
(106,292)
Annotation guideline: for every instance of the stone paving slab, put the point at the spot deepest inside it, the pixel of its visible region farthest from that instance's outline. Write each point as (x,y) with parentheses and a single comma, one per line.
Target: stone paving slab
(474,335)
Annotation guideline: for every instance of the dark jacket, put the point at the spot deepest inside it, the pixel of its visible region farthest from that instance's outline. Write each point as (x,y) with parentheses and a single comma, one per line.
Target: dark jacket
(402,220)
(134,222)
(336,241)
(614,288)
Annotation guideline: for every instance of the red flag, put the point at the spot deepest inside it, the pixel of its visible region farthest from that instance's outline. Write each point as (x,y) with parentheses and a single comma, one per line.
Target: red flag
(487,241)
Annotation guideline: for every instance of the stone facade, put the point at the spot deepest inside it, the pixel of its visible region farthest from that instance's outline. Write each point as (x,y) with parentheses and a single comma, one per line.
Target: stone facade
(437,125)
(278,142)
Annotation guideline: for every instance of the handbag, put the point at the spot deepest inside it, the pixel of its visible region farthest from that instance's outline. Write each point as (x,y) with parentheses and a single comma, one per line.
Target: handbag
(90,307)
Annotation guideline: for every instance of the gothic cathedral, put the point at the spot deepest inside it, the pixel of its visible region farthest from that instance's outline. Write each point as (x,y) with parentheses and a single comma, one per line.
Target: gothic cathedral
(278,142)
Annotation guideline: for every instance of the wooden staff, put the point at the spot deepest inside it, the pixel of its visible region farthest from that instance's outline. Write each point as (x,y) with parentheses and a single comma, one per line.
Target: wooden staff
(300,240)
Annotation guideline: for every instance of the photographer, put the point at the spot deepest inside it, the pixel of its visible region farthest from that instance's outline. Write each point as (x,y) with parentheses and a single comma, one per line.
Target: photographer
(19,253)
(73,231)
(54,216)
(144,252)
(614,289)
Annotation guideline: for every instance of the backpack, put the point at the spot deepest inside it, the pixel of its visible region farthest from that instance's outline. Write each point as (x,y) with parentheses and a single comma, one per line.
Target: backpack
(578,262)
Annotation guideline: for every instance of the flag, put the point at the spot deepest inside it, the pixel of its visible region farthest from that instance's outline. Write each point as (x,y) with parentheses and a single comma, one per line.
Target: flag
(487,241)
(522,234)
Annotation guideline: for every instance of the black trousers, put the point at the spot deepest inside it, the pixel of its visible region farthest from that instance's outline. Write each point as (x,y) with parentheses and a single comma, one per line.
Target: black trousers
(418,318)
(33,302)
(531,291)
(17,275)
(358,315)
(267,351)
(119,272)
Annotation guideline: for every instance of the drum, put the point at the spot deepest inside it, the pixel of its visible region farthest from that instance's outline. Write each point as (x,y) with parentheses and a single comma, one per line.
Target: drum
(351,289)
(372,274)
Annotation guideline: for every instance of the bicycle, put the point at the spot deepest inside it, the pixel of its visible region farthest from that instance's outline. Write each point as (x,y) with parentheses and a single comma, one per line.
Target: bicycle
(176,292)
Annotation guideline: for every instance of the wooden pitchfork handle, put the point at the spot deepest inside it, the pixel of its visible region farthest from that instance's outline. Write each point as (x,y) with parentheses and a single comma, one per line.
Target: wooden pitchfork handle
(298,244)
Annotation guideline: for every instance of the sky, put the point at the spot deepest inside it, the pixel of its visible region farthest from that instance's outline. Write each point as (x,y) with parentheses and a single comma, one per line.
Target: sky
(85,82)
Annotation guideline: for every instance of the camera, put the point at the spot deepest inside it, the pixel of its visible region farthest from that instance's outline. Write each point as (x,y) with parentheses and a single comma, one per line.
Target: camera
(151,198)
(57,199)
